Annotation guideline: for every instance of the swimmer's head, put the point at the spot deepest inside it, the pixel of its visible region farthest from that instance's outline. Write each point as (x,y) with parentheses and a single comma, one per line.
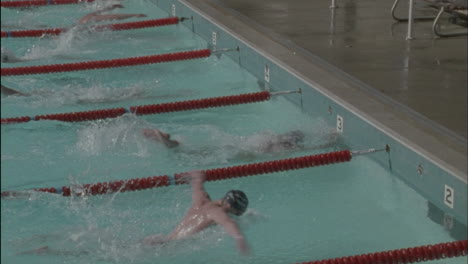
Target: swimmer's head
(292,138)
(237,201)
(170,143)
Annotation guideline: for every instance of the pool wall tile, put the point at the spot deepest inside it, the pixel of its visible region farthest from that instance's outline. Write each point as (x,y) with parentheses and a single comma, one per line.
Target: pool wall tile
(426,177)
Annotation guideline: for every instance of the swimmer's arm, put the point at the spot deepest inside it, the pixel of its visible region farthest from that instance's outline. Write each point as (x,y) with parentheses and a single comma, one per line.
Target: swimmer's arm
(199,195)
(196,179)
(231,227)
(9,91)
(99,18)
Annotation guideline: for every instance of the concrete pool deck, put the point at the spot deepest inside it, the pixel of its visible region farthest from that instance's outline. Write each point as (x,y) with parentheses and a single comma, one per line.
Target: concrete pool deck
(416,90)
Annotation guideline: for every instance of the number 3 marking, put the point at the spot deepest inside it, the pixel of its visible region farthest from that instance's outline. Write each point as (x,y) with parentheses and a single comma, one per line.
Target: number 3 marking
(214,38)
(339,123)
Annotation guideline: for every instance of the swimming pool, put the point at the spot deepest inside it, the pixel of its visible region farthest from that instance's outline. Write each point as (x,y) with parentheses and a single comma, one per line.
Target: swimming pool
(294,216)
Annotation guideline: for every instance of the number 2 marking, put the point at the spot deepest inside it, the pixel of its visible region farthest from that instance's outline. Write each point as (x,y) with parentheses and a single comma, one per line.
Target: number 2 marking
(449,194)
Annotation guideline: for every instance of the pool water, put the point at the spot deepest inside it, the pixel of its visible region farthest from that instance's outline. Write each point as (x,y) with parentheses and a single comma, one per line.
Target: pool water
(310,214)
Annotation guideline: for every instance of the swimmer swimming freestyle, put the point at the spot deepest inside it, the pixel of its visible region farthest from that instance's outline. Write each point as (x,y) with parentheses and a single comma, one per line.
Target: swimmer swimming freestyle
(8,56)
(203,213)
(245,148)
(8,91)
(273,143)
(98,15)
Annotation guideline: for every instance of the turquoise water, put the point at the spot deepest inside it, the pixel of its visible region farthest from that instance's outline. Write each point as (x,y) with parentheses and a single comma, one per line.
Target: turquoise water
(325,212)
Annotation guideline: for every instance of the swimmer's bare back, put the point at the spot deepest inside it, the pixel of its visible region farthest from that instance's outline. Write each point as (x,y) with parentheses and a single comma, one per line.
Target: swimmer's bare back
(98,16)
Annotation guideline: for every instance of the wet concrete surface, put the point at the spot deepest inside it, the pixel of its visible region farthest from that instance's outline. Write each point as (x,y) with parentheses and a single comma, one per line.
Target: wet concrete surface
(426,74)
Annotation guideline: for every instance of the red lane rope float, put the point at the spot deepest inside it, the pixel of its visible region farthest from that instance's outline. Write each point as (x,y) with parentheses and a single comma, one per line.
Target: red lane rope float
(112,187)
(32,33)
(201,103)
(211,175)
(147,109)
(101,64)
(275,166)
(140,24)
(406,255)
(83,116)
(41,2)
(113,27)
(12,120)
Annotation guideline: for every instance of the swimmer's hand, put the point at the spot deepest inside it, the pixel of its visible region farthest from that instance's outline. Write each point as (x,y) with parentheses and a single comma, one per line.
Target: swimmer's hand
(193,177)
(242,246)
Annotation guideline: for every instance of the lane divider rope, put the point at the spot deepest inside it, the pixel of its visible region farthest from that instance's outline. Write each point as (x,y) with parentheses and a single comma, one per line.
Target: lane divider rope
(405,255)
(101,64)
(28,3)
(211,175)
(147,109)
(112,27)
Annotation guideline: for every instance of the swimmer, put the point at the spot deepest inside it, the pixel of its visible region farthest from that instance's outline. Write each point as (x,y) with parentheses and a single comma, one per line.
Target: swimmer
(80,95)
(97,16)
(205,212)
(287,141)
(275,143)
(9,57)
(161,137)
(246,149)
(8,91)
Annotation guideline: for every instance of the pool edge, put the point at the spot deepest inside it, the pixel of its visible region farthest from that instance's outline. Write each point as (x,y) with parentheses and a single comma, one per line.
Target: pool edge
(439,162)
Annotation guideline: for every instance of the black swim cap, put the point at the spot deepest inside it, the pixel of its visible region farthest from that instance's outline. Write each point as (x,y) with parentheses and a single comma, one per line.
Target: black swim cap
(237,200)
